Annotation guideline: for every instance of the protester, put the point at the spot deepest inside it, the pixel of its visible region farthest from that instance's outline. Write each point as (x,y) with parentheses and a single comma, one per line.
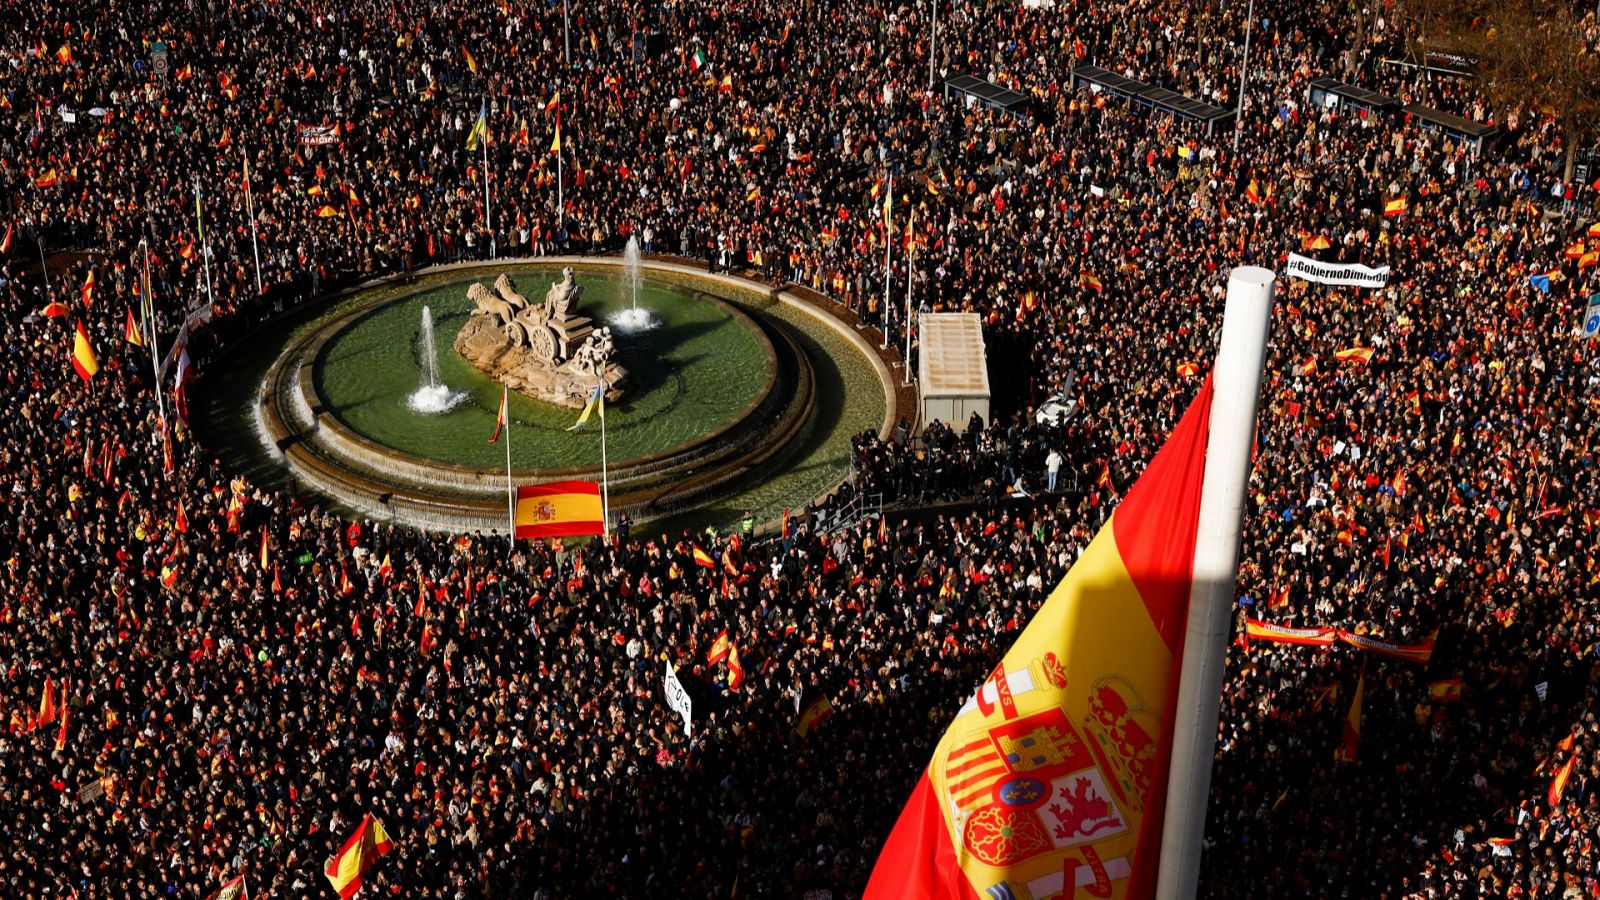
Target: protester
(241,675)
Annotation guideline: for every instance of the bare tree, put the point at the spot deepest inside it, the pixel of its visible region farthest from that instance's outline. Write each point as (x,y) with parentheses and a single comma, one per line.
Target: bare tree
(1532,57)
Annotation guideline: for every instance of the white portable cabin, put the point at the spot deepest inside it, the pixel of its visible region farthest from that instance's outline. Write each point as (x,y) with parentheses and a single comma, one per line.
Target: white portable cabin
(952,370)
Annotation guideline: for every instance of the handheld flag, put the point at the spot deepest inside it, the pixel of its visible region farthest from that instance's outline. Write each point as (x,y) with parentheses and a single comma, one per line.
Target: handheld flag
(702,558)
(87,292)
(1350,745)
(1558,785)
(83,358)
(233,890)
(347,867)
(1395,207)
(559,509)
(719,649)
(597,401)
(5,242)
(1056,767)
(500,418)
(735,669)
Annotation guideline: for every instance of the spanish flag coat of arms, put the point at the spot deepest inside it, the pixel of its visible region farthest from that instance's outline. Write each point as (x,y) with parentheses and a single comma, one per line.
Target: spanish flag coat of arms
(1051,780)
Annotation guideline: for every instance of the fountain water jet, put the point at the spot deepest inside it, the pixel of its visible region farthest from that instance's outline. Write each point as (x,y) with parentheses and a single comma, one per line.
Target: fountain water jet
(632,319)
(432,397)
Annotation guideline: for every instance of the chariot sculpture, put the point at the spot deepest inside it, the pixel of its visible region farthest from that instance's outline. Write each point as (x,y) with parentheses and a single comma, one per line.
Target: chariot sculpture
(544,349)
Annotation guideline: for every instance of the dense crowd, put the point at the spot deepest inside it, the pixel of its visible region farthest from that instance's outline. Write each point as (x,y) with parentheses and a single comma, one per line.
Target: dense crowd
(244,676)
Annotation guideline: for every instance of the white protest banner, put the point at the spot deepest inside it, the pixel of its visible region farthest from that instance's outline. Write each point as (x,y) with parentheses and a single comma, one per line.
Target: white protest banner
(678,699)
(318,135)
(1355,274)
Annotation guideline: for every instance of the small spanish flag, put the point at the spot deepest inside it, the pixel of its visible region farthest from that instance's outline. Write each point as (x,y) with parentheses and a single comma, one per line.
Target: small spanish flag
(472,63)
(1558,785)
(559,509)
(131,332)
(555,145)
(1357,354)
(266,557)
(1350,745)
(47,179)
(180,522)
(735,669)
(327,212)
(64,55)
(83,358)
(1395,207)
(1446,691)
(1091,281)
(346,868)
(500,418)
(87,292)
(5,242)
(815,708)
(1253,191)
(719,649)
(702,558)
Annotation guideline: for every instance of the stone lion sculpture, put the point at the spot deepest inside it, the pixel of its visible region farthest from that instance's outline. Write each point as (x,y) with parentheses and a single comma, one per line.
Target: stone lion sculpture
(490,305)
(507,289)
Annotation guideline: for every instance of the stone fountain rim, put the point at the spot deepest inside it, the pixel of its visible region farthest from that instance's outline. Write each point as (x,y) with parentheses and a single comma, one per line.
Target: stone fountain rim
(308,353)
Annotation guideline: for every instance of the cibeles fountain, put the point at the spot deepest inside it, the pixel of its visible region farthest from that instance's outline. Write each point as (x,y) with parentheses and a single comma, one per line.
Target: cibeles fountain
(542,350)
(710,390)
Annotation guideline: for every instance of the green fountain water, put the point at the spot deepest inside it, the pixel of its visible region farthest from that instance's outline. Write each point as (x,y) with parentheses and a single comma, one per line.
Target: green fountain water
(695,372)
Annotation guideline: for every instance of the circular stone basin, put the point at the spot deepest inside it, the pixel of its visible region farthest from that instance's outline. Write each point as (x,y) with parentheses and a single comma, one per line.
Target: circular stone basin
(715,393)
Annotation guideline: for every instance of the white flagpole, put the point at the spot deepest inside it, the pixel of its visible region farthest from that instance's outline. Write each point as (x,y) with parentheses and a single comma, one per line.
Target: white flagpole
(888,247)
(250,210)
(147,312)
(1236,381)
(561,205)
(511,488)
(605,478)
(911,227)
(205,246)
(488,215)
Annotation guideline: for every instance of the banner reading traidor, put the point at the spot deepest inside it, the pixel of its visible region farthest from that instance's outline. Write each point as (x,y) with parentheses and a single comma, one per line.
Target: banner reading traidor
(1308,269)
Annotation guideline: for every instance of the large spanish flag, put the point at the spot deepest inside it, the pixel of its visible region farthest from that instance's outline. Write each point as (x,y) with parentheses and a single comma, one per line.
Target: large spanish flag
(1056,768)
(559,509)
(346,868)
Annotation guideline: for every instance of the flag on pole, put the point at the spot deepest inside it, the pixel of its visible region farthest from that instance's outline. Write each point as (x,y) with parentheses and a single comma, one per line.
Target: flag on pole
(597,401)
(131,332)
(346,868)
(472,63)
(5,242)
(559,509)
(480,128)
(83,358)
(500,418)
(266,557)
(48,179)
(814,709)
(180,522)
(698,60)
(1054,773)
(66,713)
(553,102)
(1350,744)
(555,145)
